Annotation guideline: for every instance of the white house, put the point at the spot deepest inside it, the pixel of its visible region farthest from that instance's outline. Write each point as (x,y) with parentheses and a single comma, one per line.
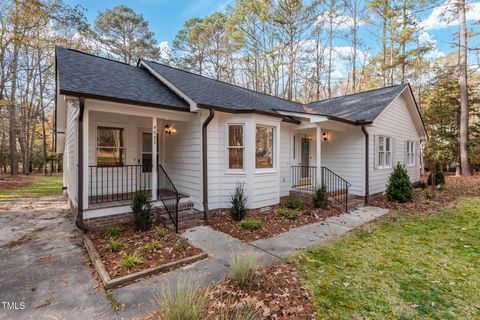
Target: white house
(187,139)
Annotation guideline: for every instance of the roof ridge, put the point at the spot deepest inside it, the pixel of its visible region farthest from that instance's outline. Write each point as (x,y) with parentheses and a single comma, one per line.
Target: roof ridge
(353,94)
(93,55)
(223,82)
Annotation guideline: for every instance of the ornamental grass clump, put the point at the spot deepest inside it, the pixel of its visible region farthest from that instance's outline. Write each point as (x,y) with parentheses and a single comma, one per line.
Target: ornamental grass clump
(152,246)
(185,302)
(320,199)
(247,311)
(116,245)
(399,187)
(239,203)
(112,232)
(131,260)
(243,266)
(142,211)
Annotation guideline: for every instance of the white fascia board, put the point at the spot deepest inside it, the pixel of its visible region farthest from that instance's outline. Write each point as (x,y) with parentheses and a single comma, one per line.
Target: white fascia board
(193,104)
(311,118)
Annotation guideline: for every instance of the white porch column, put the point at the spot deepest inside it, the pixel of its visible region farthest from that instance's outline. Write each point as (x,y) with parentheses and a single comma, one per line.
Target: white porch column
(154,159)
(319,156)
(86,181)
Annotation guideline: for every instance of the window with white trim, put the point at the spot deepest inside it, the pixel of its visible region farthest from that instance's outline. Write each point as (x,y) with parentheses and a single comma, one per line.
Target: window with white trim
(410,153)
(110,146)
(235,146)
(264,147)
(384,155)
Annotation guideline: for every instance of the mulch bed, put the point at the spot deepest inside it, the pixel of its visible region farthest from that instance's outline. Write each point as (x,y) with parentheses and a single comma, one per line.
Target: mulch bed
(134,242)
(456,187)
(277,294)
(272,223)
(8,182)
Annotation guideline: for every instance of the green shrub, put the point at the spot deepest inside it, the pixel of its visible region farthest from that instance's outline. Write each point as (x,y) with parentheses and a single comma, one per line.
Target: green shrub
(142,211)
(287,213)
(185,302)
(181,244)
(131,260)
(161,232)
(152,246)
(399,187)
(243,266)
(251,224)
(439,177)
(295,204)
(112,232)
(239,203)
(320,199)
(116,245)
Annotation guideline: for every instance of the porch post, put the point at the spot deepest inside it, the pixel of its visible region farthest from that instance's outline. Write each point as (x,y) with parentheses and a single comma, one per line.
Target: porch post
(154,159)
(319,156)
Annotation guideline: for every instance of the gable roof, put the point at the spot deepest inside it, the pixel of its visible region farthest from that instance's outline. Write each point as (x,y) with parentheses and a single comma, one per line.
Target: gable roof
(364,106)
(207,92)
(85,74)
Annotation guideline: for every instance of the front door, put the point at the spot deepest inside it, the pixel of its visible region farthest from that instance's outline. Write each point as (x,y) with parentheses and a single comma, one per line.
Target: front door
(147,152)
(305,157)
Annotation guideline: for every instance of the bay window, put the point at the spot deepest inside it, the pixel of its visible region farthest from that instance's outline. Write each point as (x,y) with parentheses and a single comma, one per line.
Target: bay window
(264,147)
(235,146)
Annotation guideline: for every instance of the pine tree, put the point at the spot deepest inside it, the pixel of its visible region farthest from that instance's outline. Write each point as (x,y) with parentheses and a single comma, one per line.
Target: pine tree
(399,187)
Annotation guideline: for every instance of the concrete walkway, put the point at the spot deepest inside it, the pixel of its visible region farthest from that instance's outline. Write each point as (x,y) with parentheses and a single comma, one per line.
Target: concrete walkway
(43,265)
(138,298)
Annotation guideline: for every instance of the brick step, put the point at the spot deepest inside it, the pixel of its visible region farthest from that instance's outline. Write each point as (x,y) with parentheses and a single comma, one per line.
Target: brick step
(353,203)
(184,215)
(182,206)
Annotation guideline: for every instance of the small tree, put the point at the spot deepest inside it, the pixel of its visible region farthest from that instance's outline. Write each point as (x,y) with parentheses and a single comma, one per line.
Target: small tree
(142,211)
(239,203)
(399,186)
(320,200)
(439,177)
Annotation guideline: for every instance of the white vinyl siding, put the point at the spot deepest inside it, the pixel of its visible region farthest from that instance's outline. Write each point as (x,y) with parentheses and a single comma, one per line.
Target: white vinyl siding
(286,152)
(395,122)
(70,156)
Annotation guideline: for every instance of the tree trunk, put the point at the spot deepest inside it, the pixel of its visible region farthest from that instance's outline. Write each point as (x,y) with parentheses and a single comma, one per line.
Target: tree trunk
(330,50)
(462,81)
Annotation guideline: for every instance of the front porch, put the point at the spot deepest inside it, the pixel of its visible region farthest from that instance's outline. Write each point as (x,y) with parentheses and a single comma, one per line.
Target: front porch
(129,149)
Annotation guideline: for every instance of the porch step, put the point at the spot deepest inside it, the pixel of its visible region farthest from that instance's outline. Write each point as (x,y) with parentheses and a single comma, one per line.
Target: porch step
(353,203)
(188,217)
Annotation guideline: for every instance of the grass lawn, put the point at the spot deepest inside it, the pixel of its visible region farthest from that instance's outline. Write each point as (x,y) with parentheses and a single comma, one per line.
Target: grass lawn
(40,186)
(406,266)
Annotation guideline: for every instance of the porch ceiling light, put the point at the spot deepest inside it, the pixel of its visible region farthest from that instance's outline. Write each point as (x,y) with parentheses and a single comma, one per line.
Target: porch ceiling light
(169,129)
(325,135)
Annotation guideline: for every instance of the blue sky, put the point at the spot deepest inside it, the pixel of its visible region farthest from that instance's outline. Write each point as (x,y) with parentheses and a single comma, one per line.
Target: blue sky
(166,17)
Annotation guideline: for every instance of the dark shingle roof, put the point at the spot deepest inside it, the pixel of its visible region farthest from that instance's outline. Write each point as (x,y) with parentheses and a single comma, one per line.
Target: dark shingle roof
(82,73)
(210,92)
(359,106)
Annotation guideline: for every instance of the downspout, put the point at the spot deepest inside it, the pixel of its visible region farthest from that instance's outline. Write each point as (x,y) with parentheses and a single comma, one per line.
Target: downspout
(205,163)
(367,174)
(79,220)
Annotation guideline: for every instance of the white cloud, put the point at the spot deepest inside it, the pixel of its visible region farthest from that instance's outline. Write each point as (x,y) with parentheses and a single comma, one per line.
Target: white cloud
(338,22)
(444,15)
(426,39)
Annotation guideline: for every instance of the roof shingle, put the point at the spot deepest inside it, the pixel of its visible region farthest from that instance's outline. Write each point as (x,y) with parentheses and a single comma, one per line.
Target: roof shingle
(82,73)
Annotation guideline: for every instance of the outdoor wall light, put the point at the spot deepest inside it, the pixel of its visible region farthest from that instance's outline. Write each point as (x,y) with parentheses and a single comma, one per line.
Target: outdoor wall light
(169,129)
(325,135)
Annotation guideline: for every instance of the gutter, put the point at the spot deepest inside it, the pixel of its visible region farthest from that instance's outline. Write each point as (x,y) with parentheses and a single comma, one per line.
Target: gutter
(367,173)
(205,163)
(79,220)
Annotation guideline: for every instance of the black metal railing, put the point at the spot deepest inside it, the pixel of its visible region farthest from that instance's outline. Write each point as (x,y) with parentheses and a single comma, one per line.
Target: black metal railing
(304,177)
(169,195)
(117,183)
(336,186)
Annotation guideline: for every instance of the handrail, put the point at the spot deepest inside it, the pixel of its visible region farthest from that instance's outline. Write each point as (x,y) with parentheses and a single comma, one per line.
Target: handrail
(168,194)
(336,187)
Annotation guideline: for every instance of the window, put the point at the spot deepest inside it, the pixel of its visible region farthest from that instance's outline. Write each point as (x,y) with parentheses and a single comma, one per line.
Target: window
(235,146)
(147,152)
(264,147)
(110,146)
(384,152)
(410,153)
